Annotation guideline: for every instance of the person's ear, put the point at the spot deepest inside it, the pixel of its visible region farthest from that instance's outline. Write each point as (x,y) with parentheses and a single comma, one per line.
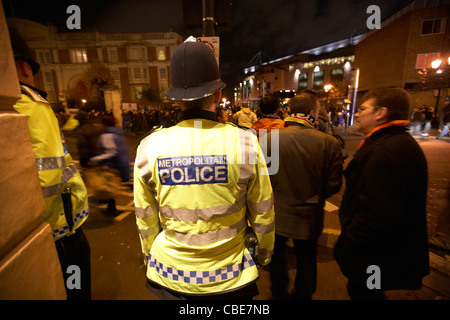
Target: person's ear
(382,114)
(217,97)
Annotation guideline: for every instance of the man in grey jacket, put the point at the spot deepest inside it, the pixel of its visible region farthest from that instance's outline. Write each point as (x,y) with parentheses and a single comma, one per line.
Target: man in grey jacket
(310,171)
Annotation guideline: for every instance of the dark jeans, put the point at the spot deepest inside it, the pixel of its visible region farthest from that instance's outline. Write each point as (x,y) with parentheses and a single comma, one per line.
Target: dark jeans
(306,277)
(74,250)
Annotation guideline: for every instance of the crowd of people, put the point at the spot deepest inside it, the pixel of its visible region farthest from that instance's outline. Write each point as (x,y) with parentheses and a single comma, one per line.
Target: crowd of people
(195,204)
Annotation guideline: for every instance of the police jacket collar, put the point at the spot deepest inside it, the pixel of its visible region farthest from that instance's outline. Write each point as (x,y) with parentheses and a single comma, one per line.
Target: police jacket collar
(196,113)
(43,94)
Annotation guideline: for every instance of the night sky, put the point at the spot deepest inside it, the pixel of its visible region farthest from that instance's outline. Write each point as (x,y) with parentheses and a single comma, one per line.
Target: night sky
(275,27)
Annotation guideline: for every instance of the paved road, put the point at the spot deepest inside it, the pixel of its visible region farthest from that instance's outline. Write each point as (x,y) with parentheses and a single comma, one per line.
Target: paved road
(118,272)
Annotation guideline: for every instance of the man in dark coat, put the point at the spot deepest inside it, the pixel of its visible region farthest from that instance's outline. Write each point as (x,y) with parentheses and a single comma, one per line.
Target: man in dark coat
(383,243)
(310,171)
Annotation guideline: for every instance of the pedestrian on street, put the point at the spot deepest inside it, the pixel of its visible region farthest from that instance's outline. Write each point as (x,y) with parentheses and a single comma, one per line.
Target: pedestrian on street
(445,125)
(383,240)
(88,133)
(415,126)
(194,196)
(64,192)
(310,171)
(245,117)
(114,156)
(269,107)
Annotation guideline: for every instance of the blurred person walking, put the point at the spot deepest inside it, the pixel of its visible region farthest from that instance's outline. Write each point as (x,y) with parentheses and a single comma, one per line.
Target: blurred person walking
(114,154)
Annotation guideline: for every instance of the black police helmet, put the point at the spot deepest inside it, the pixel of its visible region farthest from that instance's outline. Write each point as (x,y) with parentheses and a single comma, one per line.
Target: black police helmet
(194,72)
(21,50)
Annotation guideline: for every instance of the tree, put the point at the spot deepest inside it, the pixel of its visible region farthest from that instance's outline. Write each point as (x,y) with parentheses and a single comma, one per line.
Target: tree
(96,78)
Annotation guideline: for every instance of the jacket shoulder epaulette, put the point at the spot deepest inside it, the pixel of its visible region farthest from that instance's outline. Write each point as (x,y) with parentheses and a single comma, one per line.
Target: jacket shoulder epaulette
(154,129)
(33,95)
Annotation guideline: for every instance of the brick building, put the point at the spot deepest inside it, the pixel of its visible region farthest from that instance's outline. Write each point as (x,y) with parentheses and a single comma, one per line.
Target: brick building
(311,69)
(137,61)
(408,41)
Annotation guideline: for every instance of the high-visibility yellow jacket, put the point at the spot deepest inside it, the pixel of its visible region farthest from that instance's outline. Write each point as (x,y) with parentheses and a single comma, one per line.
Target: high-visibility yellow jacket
(55,166)
(197,185)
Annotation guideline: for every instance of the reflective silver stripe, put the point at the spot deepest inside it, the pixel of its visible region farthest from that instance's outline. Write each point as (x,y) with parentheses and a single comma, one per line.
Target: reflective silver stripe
(53,190)
(50,191)
(202,239)
(50,163)
(146,233)
(200,277)
(262,206)
(146,212)
(265,253)
(205,214)
(68,173)
(142,162)
(263,228)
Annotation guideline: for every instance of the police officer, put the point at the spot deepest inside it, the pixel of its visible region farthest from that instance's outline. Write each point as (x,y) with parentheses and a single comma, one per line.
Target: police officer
(198,185)
(63,189)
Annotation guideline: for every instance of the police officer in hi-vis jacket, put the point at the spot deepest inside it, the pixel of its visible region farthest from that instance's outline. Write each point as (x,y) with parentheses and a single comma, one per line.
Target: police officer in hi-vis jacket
(64,192)
(200,187)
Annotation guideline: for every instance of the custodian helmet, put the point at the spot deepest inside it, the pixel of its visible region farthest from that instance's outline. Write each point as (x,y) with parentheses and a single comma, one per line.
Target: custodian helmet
(21,50)
(194,72)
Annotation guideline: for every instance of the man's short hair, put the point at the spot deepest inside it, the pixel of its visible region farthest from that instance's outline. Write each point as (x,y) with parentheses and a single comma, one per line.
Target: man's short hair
(395,100)
(303,103)
(202,103)
(269,105)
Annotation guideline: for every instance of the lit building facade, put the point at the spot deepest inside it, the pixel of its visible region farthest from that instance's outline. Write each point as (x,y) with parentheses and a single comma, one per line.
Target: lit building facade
(138,61)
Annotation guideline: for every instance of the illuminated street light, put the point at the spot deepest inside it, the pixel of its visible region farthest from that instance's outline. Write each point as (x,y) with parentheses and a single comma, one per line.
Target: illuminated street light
(327,87)
(83,100)
(436,63)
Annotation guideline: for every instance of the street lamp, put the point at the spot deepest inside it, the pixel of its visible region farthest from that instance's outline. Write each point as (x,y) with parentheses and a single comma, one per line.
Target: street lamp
(436,64)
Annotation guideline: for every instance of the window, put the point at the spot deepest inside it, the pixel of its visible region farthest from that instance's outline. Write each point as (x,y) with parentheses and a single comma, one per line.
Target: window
(337,75)
(48,78)
(115,75)
(78,56)
(302,81)
(139,74)
(424,59)
(318,80)
(161,53)
(163,73)
(433,26)
(112,55)
(44,56)
(137,53)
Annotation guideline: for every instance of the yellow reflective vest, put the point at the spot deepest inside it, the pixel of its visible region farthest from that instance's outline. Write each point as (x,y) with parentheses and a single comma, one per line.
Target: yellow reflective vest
(197,186)
(56,168)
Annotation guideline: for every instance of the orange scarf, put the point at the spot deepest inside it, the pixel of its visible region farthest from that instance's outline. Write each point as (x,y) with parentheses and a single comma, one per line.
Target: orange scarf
(382,126)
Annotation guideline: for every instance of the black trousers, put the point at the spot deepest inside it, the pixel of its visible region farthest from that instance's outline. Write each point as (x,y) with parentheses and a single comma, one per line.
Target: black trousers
(245,293)
(306,278)
(74,250)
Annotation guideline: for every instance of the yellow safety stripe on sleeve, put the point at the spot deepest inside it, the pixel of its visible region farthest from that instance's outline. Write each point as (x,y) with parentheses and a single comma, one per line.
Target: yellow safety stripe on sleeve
(146,207)
(55,166)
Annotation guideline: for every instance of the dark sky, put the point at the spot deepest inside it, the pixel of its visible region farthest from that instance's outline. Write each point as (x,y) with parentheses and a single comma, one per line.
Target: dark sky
(276,27)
